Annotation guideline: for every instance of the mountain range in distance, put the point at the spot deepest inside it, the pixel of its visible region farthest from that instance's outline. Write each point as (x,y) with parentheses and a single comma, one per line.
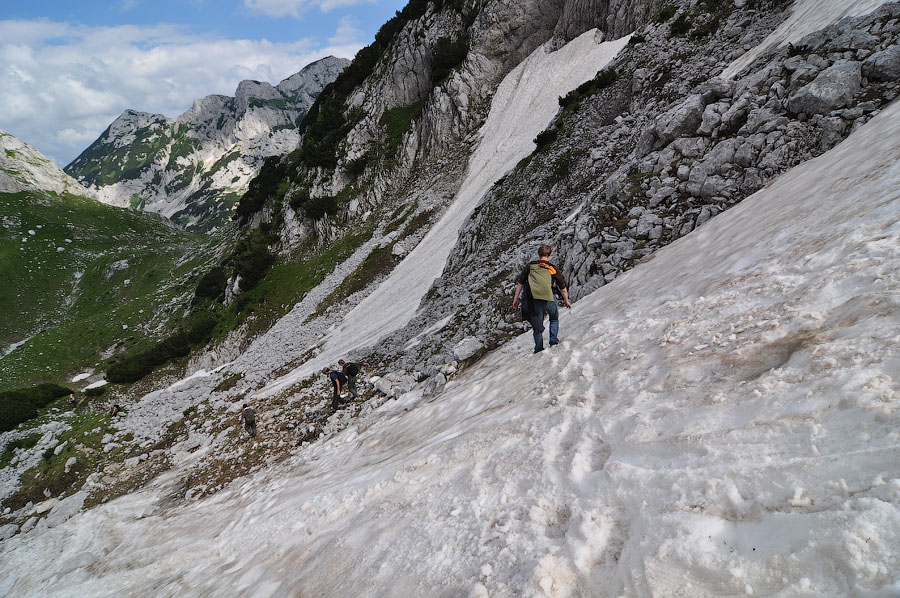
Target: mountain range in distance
(195,168)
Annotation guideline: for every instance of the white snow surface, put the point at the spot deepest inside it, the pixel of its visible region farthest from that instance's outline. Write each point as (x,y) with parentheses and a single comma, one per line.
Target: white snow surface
(721,420)
(806,17)
(528,97)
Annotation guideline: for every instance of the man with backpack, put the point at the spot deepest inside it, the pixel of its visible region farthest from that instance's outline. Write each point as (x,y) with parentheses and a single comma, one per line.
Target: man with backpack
(248,418)
(538,279)
(338,382)
(350,370)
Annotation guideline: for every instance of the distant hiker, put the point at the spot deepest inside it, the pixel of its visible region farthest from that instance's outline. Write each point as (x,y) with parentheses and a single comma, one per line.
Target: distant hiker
(350,370)
(73,401)
(114,410)
(538,279)
(338,382)
(248,418)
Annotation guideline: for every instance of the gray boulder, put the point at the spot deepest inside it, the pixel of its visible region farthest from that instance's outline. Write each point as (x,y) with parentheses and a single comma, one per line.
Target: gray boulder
(884,65)
(467,347)
(681,120)
(832,88)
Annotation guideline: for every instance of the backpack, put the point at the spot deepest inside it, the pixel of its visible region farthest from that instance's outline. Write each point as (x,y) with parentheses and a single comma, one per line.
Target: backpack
(352,369)
(341,378)
(249,416)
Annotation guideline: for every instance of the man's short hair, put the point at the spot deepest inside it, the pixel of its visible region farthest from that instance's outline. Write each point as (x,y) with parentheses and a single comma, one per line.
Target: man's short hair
(341,362)
(544,251)
(326,370)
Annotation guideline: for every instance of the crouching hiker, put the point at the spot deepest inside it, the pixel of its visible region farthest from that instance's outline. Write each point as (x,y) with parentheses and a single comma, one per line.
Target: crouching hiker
(538,280)
(248,418)
(350,370)
(338,383)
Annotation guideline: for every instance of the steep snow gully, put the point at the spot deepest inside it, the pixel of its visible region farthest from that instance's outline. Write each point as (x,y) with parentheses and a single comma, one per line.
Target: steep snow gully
(722,420)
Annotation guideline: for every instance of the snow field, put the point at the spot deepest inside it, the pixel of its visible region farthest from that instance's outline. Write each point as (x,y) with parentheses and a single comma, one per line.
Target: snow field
(528,98)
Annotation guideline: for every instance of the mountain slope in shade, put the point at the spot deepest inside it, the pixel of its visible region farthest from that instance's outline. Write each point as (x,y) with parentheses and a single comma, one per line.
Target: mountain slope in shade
(194,169)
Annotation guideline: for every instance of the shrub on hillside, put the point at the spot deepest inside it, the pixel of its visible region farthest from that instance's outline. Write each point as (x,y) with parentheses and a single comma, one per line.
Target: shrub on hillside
(134,366)
(265,185)
(251,259)
(95,392)
(298,198)
(446,55)
(319,207)
(665,13)
(681,25)
(545,138)
(212,285)
(17,406)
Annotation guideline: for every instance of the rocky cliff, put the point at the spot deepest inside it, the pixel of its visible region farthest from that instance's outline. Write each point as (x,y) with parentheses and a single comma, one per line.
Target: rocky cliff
(195,168)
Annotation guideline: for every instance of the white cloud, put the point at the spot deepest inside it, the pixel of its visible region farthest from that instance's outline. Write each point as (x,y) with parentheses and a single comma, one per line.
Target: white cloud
(346,33)
(296,8)
(61,85)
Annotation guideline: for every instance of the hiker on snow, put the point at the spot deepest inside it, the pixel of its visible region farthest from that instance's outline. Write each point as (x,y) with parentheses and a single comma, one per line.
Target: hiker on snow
(350,370)
(537,279)
(338,382)
(248,418)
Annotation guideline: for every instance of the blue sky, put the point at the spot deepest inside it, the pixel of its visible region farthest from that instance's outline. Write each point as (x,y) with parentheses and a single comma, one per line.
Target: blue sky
(68,69)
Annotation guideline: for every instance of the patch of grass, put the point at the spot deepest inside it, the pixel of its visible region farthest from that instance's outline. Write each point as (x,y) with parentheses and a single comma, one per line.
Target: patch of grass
(378,262)
(228,383)
(95,277)
(396,122)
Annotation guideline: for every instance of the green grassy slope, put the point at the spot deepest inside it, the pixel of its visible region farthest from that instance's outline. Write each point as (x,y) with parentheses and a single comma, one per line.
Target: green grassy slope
(79,279)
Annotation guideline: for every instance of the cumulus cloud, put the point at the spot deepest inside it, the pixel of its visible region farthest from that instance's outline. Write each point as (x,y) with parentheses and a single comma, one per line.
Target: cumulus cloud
(61,84)
(347,32)
(296,8)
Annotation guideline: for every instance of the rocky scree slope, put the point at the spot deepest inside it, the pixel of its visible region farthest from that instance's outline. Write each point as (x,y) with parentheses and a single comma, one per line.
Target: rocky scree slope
(195,168)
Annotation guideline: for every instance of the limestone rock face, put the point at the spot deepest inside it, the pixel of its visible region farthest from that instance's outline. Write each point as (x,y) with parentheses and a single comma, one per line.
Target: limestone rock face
(195,168)
(23,168)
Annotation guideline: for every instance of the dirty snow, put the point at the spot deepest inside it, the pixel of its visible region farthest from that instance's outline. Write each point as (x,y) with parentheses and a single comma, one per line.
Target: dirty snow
(721,420)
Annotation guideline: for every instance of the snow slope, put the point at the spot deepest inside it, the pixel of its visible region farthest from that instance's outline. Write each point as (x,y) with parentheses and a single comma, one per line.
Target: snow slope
(529,97)
(721,420)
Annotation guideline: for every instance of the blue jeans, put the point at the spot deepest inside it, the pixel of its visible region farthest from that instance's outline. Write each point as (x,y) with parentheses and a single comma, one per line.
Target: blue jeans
(542,308)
